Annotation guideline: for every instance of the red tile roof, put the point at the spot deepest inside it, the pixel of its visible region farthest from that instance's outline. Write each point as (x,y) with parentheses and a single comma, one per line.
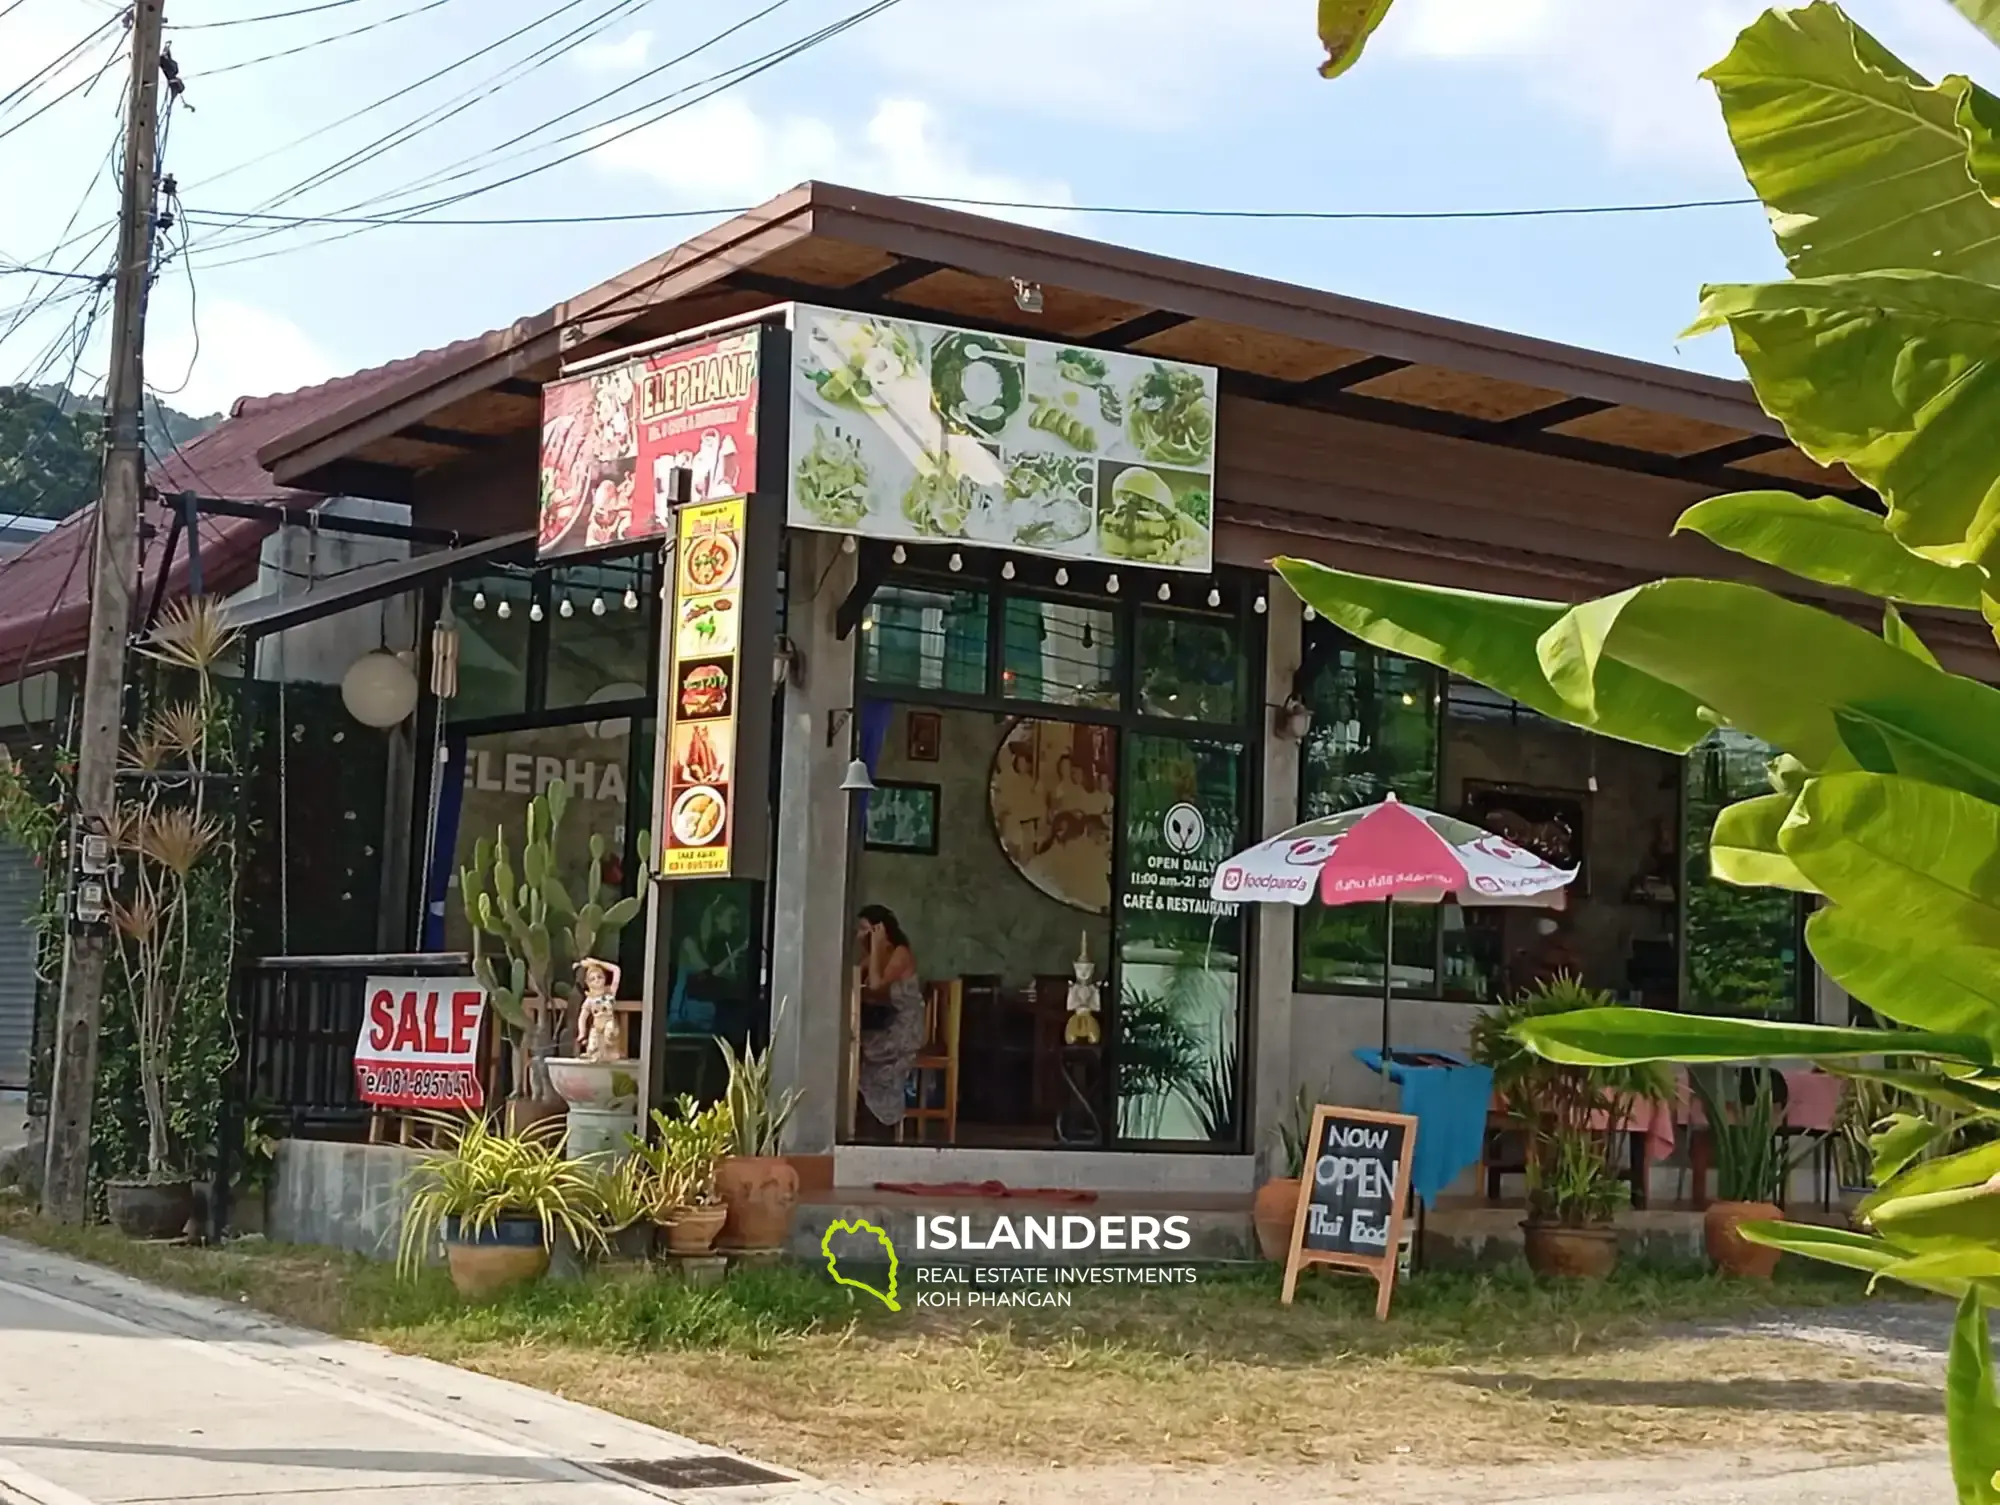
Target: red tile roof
(45,589)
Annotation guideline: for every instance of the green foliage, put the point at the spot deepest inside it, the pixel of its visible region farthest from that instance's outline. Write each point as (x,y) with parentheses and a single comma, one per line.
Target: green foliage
(52,445)
(682,1166)
(543,932)
(477,1177)
(1344,29)
(1573,1114)
(1751,1163)
(1294,1133)
(756,1113)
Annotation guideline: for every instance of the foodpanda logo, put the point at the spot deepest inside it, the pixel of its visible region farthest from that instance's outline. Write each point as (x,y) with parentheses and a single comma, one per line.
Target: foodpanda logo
(1232,879)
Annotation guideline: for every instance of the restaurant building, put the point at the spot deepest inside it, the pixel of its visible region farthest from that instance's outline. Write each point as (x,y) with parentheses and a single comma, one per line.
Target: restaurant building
(1036,610)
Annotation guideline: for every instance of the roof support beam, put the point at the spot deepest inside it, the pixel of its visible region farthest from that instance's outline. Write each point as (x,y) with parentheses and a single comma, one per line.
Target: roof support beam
(1342,377)
(388,483)
(899,273)
(518,386)
(1737,449)
(1541,419)
(1144,327)
(448,438)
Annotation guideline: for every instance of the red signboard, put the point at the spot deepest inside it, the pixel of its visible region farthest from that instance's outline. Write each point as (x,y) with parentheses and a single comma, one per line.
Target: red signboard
(612,439)
(419,1043)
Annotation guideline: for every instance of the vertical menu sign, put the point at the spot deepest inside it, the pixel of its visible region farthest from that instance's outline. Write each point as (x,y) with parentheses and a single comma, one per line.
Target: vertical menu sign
(701,788)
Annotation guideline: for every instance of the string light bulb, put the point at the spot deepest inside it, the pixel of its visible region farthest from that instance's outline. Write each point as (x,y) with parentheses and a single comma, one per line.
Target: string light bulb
(1214,596)
(1311,615)
(956,563)
(631,599)
(479,600)
(1166,591)
(1062,575)
(900,554)
(503,611)
(535,612)
(1259,606)
(1111,584)
(1007,570)
(566,610)
(849,544)
(597,606)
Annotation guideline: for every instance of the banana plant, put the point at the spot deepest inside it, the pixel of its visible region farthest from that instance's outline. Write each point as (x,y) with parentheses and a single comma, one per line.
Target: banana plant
(528,934)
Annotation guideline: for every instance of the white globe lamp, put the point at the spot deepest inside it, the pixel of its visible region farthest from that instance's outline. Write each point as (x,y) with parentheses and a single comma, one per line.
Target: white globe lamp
(379,689)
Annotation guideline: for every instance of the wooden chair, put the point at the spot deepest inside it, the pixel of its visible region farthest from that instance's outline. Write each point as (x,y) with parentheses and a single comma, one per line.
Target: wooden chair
(944,1008)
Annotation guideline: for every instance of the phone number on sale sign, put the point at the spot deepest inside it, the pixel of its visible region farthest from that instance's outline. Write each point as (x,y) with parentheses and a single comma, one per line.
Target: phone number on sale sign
(419,1043)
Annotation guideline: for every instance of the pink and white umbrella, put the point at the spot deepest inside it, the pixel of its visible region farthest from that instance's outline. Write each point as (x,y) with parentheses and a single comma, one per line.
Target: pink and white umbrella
(1390,853)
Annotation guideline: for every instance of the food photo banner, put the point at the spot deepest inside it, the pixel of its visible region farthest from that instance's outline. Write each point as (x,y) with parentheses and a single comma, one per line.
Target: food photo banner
(704,689)
(923,432)
(612,438)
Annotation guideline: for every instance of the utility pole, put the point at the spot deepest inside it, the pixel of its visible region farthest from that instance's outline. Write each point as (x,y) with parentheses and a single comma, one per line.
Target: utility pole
(113,578)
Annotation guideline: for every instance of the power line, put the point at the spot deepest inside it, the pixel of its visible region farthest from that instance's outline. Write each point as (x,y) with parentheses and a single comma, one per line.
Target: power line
(83,85)
(7,267)
(726,79)
(339,36)
(276,15)
(49,70)
(226,216)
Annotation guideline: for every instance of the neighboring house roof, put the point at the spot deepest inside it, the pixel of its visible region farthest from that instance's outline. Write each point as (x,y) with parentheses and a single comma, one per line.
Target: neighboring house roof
(45,589)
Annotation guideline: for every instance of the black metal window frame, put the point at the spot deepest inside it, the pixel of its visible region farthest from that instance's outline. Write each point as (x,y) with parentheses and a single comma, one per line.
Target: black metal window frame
(1008,576)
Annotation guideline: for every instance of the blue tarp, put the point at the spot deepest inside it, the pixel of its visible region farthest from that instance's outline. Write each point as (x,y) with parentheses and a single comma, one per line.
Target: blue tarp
(1449,1103)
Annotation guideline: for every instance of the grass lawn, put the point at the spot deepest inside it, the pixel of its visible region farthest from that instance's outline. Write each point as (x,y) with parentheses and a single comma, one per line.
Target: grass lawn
(783,1364)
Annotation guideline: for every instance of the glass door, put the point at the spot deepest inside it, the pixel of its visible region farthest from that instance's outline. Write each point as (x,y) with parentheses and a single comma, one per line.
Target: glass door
(1177,1030)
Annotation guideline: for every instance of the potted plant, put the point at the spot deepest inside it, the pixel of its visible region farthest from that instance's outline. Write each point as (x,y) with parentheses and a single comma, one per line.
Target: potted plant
(499,1201)
(1574,1118)
(757,1185)
(628,1196)
(543,934)
(1275,1209)
(684,1163)
(1751,1169)
(172,902)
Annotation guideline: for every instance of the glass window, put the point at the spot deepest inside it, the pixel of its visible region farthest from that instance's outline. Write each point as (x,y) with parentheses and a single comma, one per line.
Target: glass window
(1061,653)
(927,638)
(600,650)
(1175,1050)
(1192,667)
(492,612)
(1742,943)
(1374,731)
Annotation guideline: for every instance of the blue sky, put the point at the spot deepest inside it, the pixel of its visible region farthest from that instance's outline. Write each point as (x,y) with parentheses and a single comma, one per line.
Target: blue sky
(1460,104)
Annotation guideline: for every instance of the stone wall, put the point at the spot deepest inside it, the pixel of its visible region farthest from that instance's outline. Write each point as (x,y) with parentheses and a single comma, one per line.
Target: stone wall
(342,1196)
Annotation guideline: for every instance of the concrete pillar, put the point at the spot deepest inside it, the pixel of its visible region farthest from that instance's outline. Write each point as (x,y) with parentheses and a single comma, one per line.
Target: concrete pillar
(809,898)
(1271,966)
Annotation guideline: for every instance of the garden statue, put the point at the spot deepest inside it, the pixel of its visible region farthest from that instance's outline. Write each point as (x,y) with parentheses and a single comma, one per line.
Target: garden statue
(599,1036)
(1082,1028)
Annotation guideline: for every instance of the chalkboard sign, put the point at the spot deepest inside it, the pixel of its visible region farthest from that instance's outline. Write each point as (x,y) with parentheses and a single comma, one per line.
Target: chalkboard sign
(1352,1196)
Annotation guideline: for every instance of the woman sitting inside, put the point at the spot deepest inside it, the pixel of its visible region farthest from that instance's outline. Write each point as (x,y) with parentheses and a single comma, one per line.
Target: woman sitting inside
(892,1014)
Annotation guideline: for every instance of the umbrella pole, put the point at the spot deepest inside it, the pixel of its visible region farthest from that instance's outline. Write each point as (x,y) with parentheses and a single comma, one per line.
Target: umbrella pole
(1388,988)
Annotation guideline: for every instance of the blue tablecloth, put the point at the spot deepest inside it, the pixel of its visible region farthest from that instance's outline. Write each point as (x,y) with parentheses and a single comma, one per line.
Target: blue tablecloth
(1449,1103)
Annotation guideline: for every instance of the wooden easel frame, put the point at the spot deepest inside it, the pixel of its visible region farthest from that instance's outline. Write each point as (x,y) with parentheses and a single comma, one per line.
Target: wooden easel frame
(1383,1267)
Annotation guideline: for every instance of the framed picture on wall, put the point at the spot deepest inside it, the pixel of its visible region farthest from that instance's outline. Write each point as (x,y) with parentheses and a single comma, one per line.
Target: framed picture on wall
(922,732)
(1548,822)
(902,817)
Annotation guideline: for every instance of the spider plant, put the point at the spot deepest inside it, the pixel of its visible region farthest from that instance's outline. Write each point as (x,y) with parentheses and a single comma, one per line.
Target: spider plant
(1294,1131)
(1751,1164)
(475,1177)
(757,1114)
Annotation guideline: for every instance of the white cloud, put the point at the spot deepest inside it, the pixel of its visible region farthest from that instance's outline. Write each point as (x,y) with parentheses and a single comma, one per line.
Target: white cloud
(1631,68)
(726,153)
(626,55)
(244,351)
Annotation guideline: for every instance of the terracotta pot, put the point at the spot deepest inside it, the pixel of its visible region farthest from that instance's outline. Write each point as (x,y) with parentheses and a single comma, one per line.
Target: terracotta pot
(510,1253)
(1570,1253)
(760,1192)
(150,1209)
(692,1230)
(1274,1212)
(1728,1250)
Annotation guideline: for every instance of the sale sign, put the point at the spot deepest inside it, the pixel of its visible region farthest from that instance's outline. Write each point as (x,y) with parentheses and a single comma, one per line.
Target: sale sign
(419,1044)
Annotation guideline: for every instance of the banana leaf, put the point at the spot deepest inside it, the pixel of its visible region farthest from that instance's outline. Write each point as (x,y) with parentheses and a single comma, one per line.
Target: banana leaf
(1985,14)
(1624,1037)
(1965,1215)
(1744,847)
(1931,1086)
(1972,1406)
(1834,542)
(1344,29)
(1974,1167)
(1910,979)
(1861,163)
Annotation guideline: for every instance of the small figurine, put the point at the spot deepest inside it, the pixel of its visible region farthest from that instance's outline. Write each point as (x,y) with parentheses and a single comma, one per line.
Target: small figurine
(598,1035)
(1082,1028)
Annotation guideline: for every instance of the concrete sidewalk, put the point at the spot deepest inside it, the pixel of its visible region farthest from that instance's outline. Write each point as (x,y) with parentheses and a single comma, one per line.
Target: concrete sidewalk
(115,1393)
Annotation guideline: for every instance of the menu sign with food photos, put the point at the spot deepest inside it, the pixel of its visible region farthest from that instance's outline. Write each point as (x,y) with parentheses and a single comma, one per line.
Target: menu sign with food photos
(923,432)
(612,439)
(702,690)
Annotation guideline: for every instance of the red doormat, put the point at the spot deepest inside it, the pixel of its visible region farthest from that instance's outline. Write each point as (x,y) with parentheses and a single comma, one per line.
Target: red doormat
(984,1189)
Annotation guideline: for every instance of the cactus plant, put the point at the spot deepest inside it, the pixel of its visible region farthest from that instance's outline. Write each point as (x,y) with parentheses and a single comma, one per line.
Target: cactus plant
(541,931)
